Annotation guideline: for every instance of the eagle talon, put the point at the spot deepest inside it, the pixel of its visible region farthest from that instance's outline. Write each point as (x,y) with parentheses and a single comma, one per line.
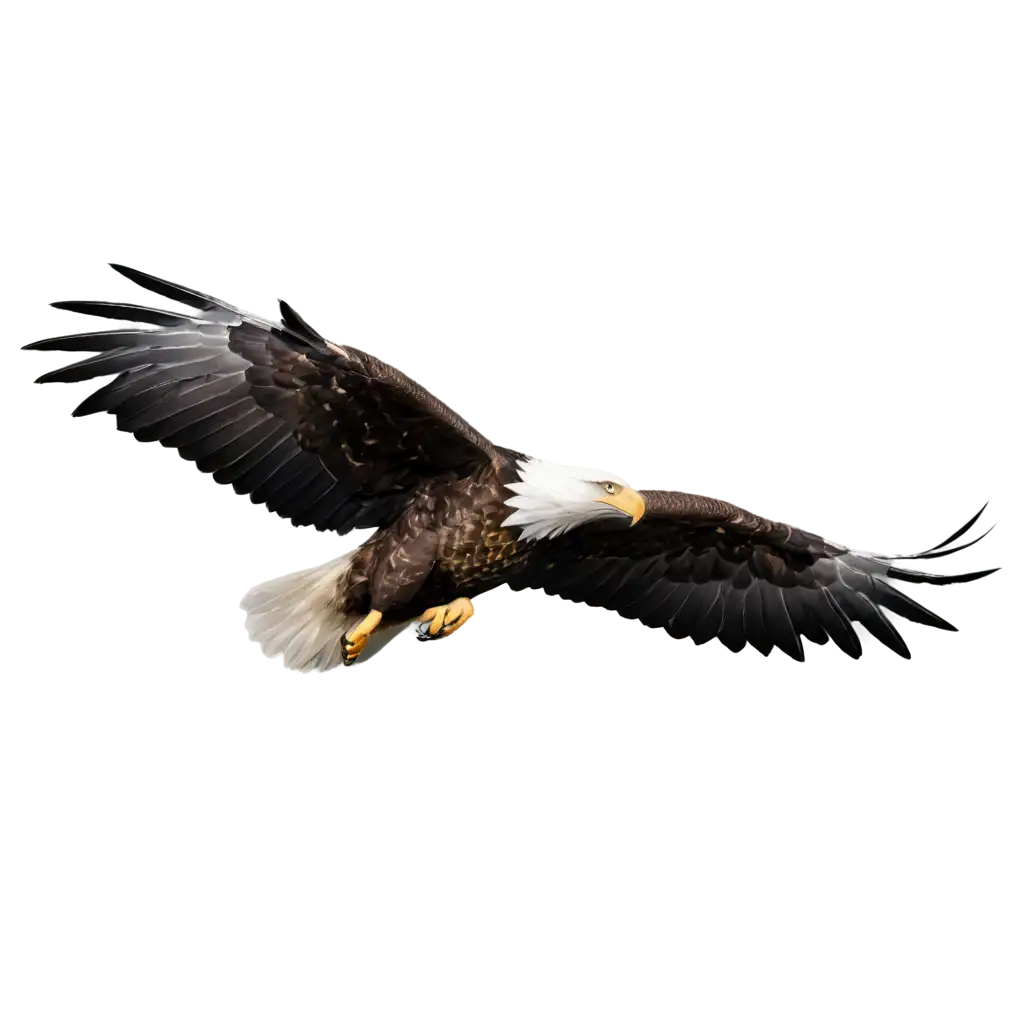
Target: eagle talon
(423,634)
(354,642)
(351,649)
(443,620)
(349,652)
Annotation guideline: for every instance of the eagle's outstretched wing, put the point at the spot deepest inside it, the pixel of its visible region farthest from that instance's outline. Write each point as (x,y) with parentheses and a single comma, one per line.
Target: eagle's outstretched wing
(703,568)
(323,434)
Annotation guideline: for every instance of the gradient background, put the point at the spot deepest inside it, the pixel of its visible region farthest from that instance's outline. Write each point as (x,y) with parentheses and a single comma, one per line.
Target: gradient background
(179,822)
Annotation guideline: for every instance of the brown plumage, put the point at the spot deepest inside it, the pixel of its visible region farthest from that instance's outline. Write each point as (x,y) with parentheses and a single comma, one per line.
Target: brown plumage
(329,436)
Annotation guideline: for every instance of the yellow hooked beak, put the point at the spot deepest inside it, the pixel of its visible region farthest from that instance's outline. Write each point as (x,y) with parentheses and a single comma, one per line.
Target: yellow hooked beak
(629,501)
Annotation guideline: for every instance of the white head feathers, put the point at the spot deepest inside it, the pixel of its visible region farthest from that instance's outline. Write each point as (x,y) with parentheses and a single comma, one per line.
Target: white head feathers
(550,499)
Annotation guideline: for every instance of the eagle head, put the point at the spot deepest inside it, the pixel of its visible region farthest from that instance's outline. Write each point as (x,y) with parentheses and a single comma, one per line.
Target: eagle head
(549,499)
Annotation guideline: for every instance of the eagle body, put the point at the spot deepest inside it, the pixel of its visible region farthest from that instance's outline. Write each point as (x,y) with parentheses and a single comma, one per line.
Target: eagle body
(326,435)
(449,542)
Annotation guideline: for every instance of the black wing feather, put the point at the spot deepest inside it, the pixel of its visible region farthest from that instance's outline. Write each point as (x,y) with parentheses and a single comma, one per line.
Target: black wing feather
(701,568)
(127,311)
(732,633)
(754,627)
(325,435)
(293,322)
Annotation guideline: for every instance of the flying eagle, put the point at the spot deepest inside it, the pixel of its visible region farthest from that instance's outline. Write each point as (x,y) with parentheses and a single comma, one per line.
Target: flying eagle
(328,436)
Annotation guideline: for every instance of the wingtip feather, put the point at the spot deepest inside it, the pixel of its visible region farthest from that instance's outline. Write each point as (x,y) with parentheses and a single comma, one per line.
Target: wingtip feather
(121,269)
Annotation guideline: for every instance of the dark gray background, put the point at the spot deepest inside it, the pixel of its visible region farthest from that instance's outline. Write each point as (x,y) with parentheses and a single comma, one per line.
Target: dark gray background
(177,819)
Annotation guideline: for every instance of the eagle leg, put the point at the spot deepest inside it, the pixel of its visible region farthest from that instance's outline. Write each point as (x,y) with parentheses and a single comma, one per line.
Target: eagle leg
(353,642)
(443,620)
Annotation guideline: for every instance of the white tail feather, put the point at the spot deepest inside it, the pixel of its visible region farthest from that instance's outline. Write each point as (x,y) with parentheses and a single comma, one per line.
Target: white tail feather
(293,620)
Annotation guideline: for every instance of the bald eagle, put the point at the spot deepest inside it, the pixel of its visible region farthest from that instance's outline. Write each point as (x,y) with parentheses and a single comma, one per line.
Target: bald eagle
(328,436)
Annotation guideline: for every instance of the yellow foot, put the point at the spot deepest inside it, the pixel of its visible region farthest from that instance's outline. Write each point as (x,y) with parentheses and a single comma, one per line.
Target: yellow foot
(353,642)
(443,620)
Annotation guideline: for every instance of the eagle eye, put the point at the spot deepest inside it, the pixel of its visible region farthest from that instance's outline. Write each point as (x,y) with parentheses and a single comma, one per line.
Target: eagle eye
(610,487)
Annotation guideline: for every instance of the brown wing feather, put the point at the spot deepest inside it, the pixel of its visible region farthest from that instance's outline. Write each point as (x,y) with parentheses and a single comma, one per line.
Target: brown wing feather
(364,419)
(704,568)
